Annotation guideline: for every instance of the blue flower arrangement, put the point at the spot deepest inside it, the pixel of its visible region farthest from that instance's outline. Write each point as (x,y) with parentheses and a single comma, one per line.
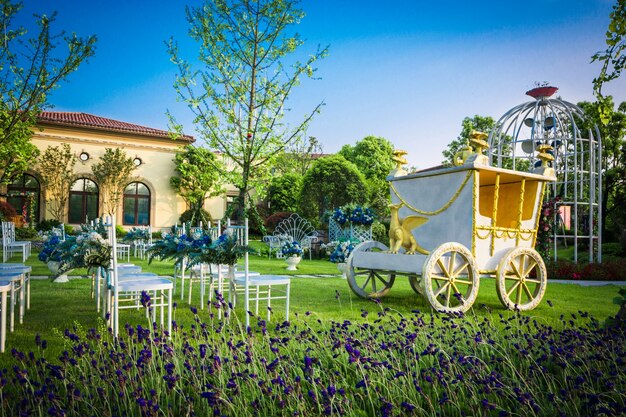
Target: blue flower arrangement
(137,233)
(342,251)
(360,215)
(291,249)
(51,248)
(357,215)
(180,247)
(339,216)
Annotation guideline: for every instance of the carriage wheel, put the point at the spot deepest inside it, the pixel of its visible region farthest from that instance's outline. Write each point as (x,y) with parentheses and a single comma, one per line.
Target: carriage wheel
(521,279)
(416,284)
(369,283)
(450,278)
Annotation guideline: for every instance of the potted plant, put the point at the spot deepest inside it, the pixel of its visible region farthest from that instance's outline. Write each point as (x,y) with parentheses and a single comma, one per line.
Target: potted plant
(51,254)
(292,251)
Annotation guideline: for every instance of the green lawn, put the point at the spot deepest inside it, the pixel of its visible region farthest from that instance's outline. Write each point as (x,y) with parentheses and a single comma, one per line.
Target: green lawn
(55,307)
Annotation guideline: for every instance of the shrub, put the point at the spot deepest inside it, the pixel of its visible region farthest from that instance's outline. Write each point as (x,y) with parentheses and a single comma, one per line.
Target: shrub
(613,249)
(25,233)
(272,221)
(6,210)
(119,231)
(46,225)
(609,270)
(198,215)
(379,232)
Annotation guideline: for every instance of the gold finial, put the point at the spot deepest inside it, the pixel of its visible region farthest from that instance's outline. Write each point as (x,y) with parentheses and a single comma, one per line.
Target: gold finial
(398,156)
(478,142)
(544,156)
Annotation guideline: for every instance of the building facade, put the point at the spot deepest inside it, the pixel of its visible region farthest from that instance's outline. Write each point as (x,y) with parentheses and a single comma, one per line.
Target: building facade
(148,197)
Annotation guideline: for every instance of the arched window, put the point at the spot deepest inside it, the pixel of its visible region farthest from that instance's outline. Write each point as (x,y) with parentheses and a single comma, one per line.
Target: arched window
(23,195)
(136,204)
(83,201)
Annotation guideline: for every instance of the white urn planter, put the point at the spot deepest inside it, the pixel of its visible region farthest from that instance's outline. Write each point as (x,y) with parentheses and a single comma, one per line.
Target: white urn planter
(343,268)
(53,266)
(292,262)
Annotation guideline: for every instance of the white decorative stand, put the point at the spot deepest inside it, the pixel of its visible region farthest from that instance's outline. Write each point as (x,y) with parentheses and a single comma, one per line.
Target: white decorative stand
(53,266)
(292,261)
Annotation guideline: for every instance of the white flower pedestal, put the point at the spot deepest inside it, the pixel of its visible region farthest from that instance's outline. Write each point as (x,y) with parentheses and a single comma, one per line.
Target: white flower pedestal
(343,268)
(292,262)
(53,266)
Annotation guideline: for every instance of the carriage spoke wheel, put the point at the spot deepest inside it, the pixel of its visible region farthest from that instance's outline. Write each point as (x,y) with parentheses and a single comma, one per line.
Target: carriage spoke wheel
(450,278)
(369,283)
(521,279)
(416,284)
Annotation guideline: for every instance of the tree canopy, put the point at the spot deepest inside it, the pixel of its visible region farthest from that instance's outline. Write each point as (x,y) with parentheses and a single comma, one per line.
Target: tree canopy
(197,177)
(30,68)
(56,167)
(283,192)
(239,96)
(372,156)
(331,182)
(480,123)
(112,172)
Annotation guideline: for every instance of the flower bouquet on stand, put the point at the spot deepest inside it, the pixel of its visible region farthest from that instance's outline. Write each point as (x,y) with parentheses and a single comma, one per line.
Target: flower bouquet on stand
(292,251)
(340,254)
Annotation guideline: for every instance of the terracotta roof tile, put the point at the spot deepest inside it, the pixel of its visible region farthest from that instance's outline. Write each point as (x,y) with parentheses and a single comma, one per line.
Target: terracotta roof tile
(102,123)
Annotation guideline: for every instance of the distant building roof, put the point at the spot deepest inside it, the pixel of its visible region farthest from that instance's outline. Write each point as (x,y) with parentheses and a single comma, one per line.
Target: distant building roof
(90,121)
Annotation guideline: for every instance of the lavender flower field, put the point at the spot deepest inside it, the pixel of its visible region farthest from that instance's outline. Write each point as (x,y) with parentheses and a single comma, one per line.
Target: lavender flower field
(388,363)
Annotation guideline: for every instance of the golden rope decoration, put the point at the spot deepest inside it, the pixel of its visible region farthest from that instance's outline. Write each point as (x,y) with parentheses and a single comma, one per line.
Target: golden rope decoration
(442,209)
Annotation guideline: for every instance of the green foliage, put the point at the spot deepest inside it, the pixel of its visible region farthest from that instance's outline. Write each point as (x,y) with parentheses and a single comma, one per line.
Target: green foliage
(238,98)
(480,123)
(380,232)
(56,167)
(611,123)
(25,233)
(613,58)
(272,221)
(30,68)
(297,157)
(120,231)
(196,215)
(113,173)
(372,156)
(331,182)
(47,224)
(197,176)
(283,192)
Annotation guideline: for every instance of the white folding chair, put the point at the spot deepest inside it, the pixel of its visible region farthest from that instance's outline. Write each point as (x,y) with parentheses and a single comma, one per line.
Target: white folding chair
(130,289)
(11,246)
(16,291)
(264,287)
(24,269)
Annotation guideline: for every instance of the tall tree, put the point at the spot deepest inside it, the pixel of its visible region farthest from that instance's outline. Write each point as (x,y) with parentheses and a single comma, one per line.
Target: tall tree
(113,173)
(372,156)
(30,68)
(298,157)
(613,134)
(480,123)
(331,182)
(242,89)
(197,177)
(56,167)
(613,59)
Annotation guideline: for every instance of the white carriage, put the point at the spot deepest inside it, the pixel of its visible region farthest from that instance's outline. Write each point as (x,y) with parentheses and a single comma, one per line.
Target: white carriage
(452,226)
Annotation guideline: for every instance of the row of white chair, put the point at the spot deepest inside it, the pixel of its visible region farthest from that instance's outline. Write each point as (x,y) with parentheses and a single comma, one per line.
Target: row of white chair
(14,283)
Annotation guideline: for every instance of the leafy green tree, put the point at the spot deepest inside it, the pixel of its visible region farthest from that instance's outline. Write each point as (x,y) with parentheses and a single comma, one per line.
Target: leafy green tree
(239,97)
(613,59)
(197,178)
(331,182)
(30,68)
(613,134)
(56,168)
(112,172)
(480,123)
(372,156)
(283,192)
(298,157)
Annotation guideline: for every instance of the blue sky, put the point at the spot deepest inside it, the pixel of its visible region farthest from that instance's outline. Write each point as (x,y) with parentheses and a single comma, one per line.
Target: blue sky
(409,71)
